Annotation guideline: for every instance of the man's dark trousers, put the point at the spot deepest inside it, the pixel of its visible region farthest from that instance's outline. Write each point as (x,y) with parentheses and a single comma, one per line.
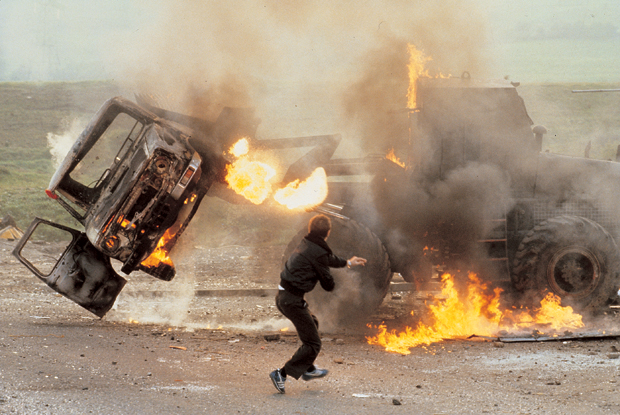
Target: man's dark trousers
(296,309)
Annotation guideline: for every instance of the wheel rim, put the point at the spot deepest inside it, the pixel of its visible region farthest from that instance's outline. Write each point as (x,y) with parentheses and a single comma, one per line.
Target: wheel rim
(573,271)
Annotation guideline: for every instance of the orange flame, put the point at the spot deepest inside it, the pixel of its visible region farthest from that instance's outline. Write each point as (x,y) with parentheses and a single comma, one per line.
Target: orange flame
(240,148)
(417,68)
(551,314)
(417,61)
(306,194)
(392,157)
(250,179)
(160,254)
(125,223)
(556,316)
(479,313)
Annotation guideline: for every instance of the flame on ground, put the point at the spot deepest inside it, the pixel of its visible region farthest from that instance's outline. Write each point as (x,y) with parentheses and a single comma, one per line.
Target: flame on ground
(550,315)
(160,254)
(479,313)
(306,194)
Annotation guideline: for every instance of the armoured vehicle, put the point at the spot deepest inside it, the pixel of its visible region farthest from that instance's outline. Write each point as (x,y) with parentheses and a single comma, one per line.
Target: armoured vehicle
(475,194)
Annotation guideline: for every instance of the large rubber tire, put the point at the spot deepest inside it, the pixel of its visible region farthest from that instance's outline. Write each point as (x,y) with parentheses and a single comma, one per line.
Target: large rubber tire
(571,256)
(359,290)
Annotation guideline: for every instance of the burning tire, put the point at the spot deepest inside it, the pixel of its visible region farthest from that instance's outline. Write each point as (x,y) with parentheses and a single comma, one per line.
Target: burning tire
(573,257)
(359,290)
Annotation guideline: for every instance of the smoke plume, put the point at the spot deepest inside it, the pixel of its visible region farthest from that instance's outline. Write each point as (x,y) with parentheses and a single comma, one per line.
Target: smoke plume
(319,67)
(60,144)
(294,60)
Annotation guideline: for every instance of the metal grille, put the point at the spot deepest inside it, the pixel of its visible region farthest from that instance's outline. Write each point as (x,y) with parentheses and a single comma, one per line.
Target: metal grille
(608,218)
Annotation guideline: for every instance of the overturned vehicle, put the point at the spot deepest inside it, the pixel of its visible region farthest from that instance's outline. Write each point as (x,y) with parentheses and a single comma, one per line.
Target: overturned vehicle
(474,192)
(134,179)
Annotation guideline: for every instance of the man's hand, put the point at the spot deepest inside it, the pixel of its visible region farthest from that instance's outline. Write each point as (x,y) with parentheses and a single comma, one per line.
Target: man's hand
(355,260)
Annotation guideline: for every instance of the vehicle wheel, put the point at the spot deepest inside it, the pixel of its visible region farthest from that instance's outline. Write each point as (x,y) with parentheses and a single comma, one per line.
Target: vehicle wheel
(359,290)
(419,271)
(573,257)
(407,257)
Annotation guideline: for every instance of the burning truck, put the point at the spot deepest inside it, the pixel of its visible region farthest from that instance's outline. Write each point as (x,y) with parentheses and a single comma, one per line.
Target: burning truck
(474,193)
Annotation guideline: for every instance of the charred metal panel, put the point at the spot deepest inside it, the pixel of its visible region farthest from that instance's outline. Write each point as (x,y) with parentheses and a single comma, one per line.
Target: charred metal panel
(541,337)
(102,119)
(82,273)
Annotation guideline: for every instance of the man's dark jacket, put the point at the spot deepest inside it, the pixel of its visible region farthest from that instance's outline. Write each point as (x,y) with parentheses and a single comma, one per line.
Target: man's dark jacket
(309,264)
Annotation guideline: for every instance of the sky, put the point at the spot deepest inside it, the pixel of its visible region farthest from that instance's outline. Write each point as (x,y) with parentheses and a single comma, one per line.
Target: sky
(528,40)
(50,40)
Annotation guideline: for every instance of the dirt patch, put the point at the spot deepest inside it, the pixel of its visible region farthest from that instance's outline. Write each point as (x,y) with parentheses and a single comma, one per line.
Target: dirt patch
(212,355)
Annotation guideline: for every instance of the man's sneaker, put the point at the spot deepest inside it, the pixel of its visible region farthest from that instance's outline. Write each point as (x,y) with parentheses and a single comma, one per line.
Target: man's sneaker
(278,380)
(315,374)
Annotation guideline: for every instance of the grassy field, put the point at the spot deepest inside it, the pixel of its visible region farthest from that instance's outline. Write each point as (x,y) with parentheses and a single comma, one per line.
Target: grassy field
(574,119)
(29,111)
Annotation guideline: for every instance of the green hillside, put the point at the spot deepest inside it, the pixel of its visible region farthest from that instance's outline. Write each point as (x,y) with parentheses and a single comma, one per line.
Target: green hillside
(28,112)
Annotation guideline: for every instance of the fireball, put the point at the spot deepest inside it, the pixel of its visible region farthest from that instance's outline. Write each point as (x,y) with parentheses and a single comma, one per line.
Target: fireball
(250,179)
(253,180)
(306,194)
(240,148)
